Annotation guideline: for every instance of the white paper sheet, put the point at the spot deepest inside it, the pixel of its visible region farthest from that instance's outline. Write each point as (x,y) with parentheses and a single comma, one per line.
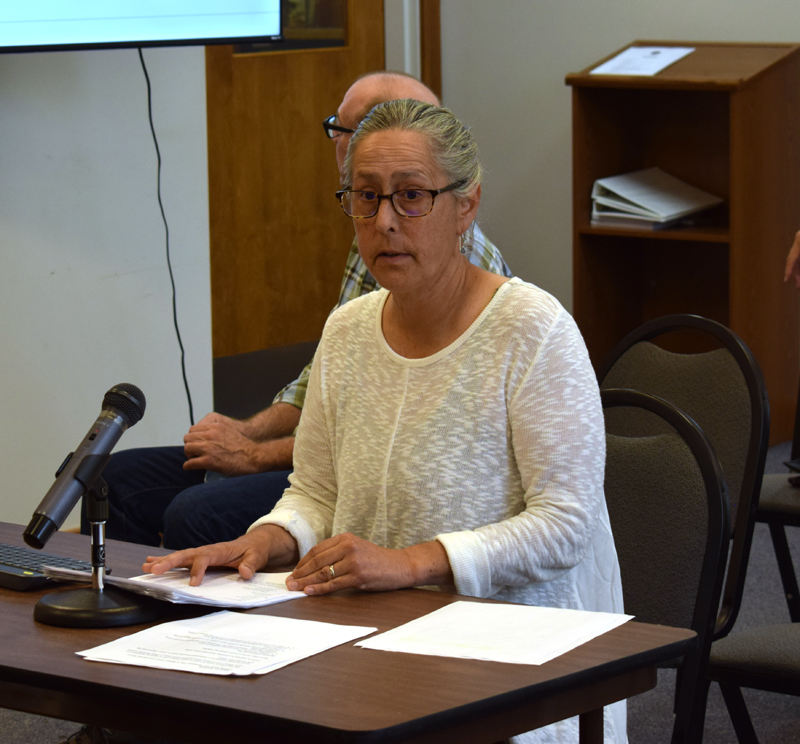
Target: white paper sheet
(226,643)
(642,60)
(515,634)
(220,588)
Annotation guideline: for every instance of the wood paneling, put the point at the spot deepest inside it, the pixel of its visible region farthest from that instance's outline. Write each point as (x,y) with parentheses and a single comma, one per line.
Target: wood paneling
(278,236)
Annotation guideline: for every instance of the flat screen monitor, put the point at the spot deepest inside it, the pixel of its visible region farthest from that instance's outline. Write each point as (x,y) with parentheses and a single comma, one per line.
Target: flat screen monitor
(52,25)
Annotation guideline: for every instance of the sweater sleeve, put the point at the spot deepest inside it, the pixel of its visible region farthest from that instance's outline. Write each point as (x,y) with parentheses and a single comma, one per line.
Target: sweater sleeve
(558,440)
(306,509)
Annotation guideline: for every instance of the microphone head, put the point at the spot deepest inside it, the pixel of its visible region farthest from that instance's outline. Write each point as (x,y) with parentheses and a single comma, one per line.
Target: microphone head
(127,401)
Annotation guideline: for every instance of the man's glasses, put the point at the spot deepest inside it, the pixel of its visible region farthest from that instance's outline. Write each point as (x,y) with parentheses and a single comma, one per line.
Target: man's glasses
(334,130)
(406,202)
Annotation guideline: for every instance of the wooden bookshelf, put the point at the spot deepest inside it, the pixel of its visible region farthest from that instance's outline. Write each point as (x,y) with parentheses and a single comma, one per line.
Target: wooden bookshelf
(725,118)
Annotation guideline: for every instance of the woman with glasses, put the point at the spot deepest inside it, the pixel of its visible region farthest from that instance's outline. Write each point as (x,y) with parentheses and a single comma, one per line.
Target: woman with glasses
(452,435)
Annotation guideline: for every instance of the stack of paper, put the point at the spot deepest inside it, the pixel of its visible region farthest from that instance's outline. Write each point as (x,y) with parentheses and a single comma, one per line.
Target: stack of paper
(515,634)
(220,588)
(647,198)
(226,643)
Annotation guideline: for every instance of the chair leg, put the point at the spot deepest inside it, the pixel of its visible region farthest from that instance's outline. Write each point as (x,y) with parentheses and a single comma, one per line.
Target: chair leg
(678,680)
(697,721)
(786,568)
(737,710)
(690,704)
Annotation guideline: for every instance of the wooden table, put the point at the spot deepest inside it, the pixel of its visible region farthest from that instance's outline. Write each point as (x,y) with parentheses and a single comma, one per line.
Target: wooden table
(346,694)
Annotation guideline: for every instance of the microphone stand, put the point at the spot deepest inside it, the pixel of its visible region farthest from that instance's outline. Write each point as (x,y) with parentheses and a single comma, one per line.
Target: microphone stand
(97,606)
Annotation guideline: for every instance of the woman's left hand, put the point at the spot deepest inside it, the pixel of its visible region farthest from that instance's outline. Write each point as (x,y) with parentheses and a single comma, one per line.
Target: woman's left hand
(346,561)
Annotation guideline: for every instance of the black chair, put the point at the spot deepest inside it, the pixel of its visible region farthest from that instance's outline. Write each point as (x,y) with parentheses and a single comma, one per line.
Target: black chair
(762,658)
(766,657)
(723,390)
(670,519)
(779,507)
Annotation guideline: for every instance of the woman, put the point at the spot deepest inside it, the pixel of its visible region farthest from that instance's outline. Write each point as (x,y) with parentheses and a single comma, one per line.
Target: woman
(453,434)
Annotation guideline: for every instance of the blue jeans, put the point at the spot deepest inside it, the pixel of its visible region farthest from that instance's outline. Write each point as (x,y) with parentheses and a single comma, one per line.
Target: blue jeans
(150,495)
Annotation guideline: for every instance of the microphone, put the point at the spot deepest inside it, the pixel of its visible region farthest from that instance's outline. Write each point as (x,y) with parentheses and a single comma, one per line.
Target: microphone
(123,406)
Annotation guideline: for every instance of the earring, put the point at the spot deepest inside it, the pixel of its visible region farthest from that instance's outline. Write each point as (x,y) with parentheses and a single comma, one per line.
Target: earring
(464,240)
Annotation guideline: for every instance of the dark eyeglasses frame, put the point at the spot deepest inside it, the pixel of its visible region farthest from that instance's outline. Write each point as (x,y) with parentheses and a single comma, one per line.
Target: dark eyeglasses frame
(334,130)
(433,192)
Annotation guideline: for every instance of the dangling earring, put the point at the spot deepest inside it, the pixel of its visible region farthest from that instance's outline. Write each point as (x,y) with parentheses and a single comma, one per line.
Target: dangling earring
(464,240)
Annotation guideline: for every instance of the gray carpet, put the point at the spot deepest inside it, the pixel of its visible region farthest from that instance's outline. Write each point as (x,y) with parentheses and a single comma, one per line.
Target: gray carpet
(775,717)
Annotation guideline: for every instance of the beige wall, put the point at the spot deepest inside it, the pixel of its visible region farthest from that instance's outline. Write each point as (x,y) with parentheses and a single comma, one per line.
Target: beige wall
(85,299)
(503,68)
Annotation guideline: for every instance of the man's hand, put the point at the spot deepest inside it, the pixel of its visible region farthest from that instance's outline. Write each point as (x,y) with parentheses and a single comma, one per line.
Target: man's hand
(248,553)
(219,443)
(360,564)
(233,447)
(793,262)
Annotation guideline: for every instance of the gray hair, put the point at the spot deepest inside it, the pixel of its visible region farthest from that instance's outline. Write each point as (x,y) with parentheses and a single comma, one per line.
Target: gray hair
(452,146)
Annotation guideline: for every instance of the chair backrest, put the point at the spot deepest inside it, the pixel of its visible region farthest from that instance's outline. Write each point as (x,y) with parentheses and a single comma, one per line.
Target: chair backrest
(670,520)
(669,514)
(723,391)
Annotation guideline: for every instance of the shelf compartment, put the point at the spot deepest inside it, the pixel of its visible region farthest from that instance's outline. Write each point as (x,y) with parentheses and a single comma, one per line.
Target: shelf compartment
(628,281)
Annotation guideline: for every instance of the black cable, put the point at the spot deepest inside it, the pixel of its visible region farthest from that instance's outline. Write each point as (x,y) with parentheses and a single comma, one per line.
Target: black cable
(166,230)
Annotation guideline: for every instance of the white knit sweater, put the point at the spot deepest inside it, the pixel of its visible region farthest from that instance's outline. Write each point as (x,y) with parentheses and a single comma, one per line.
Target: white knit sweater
(494,446)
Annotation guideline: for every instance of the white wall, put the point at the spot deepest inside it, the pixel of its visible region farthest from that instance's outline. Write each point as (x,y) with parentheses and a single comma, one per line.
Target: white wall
(85,299)
(402,36)
(503,68)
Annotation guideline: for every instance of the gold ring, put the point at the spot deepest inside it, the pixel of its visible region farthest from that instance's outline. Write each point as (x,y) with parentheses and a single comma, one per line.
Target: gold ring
(333,573)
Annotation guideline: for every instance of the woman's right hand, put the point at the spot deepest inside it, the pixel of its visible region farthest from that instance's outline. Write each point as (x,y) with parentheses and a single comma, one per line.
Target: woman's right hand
(248,553)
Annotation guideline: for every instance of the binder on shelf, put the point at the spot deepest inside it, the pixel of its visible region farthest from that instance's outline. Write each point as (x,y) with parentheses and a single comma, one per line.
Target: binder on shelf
(603,216)
(647,199)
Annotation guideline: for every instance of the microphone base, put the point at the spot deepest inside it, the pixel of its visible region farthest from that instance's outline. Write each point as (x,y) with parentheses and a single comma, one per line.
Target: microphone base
(84,607)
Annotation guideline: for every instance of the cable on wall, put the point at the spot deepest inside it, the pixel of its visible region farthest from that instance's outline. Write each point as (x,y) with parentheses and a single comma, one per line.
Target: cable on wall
(166,231)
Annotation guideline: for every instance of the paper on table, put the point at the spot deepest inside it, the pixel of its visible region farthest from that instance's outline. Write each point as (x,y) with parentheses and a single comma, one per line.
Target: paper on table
(220,587)
(515,634)
(641,60)
(227,643)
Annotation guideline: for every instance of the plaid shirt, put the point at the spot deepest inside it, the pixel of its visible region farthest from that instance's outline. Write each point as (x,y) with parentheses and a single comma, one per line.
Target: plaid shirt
(358,281)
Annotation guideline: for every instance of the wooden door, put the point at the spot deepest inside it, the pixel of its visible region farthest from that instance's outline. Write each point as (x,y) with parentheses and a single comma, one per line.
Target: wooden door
(278,237)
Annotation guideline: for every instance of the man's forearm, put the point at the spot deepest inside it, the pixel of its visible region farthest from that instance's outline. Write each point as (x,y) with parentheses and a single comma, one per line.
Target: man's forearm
(274,454)
(278,421)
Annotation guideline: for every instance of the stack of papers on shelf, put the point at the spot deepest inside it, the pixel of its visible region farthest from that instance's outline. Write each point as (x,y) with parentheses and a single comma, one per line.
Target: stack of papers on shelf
(226,643)
(650,199)
(220,588)
(514,634)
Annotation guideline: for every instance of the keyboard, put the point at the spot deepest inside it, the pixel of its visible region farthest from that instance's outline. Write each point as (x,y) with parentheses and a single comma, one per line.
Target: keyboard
(21,568)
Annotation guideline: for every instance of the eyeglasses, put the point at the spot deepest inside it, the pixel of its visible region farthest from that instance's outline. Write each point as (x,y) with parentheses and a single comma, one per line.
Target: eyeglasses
(334,130)
(406,202)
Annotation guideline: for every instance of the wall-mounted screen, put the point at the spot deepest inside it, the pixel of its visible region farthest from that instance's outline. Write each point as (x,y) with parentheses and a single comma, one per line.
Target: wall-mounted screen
(51,25)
